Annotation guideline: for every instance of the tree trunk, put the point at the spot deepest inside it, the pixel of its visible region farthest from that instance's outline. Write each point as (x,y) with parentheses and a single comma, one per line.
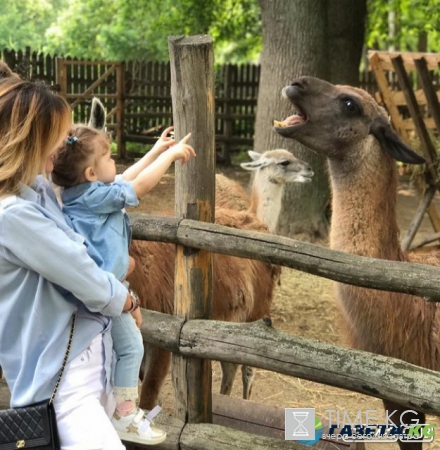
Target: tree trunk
(346,21)
(295,43)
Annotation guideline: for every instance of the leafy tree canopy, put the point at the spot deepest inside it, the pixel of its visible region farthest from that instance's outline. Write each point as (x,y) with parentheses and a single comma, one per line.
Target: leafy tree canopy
(414,21)
(138,29)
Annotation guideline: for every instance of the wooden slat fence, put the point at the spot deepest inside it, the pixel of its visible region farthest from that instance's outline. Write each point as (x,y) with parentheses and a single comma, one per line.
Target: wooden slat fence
(147,98)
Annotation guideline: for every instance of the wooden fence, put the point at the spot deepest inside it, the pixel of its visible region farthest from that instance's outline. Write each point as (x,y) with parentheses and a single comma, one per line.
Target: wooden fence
(146,96)
(193,342)
(262,346)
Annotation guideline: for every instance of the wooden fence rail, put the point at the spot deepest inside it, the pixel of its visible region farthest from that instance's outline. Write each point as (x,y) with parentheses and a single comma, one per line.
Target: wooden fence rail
(411,278)
(202,436)
(262,346)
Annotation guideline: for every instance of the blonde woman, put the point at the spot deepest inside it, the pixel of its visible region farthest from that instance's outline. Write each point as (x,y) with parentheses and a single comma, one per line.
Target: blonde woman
(46,275)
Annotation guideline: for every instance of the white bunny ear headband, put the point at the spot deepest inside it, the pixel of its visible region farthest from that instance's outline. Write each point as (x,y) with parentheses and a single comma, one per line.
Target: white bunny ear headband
(97,115)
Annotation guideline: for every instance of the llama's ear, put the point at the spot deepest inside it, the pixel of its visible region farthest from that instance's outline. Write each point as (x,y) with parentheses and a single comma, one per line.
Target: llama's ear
(257,164)
(390,142)
(254,165)
(97,115)
(255,156)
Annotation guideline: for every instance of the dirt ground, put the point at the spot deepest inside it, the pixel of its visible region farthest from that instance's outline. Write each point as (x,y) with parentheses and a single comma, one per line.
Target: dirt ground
(303,305)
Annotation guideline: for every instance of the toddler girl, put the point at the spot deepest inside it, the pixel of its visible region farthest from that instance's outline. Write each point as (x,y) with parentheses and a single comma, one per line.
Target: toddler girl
(94,199)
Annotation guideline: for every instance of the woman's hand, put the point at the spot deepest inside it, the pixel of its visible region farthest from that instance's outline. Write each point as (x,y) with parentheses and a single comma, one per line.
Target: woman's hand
(128,303)
(137,316)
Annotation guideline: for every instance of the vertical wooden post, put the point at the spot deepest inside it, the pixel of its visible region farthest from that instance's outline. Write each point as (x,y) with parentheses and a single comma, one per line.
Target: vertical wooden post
(60,76)
(384,88)
(227,111)
(192,92)
(120,86)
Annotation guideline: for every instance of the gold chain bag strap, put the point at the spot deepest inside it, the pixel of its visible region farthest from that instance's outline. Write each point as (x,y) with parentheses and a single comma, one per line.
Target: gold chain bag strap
(33,426)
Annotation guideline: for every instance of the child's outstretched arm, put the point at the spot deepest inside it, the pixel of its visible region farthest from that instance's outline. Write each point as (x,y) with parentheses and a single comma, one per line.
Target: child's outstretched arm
(152,174)
(162,144)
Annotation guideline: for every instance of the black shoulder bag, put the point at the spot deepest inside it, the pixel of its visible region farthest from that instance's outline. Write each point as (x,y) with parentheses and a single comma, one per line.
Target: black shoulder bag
(33,426)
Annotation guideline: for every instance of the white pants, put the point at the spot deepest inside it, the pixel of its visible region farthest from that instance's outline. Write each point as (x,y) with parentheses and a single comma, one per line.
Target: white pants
(83,423)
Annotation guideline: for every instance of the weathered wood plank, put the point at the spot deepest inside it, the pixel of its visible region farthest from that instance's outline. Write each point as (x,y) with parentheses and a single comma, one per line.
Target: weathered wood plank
(428,148)
(262,346)
(432,59)
(216,437)
(431,95)
(257,418)
(417,279)
(173,428)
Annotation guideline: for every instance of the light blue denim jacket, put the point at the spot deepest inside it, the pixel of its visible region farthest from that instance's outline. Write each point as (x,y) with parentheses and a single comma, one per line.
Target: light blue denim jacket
(45,276)
(96,211)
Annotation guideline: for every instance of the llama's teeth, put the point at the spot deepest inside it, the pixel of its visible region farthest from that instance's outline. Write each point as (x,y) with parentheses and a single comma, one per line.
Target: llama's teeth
(278,124)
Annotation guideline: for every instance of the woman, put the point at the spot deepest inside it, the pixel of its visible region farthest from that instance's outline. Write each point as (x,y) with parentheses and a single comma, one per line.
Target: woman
(46,276)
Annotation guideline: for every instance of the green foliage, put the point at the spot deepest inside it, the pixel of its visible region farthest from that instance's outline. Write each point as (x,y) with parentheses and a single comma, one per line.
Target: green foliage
(237,31)
(24,22)
(138,29)
(412,18)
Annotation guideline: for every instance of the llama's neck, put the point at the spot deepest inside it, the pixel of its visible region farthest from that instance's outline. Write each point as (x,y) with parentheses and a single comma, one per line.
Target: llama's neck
(364,208)
(364,223)
(266,199)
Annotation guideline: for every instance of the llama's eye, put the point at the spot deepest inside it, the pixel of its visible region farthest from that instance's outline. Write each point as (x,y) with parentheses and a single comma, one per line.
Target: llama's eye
(351,105)
(284,163)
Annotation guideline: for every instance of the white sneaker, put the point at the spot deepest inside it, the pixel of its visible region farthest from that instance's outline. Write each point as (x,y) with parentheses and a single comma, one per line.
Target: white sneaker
(137,427)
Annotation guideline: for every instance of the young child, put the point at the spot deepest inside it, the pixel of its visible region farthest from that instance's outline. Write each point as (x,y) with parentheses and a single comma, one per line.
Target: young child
(94,199)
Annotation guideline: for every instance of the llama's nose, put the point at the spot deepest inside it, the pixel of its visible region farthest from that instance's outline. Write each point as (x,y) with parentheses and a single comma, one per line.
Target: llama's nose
(298,86)
(301,83)
(306,170)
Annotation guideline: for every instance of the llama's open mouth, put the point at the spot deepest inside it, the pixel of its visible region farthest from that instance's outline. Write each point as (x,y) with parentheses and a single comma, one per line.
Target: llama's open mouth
(295,120)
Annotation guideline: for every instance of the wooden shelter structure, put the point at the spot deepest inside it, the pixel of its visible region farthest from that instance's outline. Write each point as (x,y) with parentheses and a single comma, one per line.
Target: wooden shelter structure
(417,98)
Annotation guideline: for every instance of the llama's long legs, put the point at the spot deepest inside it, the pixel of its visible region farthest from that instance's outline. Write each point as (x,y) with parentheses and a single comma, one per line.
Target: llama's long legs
(228,375)
(156,365)
(247,376)
(410,418)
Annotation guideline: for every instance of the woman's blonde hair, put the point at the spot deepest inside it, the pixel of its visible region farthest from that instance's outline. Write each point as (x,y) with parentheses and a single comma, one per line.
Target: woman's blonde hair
(33,119)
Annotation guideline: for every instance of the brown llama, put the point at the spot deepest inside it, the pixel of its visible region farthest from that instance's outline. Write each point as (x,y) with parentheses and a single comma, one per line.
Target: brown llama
(243,288)
(347,126)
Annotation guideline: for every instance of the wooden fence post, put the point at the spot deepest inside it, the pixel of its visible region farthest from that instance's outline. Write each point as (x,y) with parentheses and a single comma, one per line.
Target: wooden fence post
(61,76)
(192,92)
(120,96)
(227,110)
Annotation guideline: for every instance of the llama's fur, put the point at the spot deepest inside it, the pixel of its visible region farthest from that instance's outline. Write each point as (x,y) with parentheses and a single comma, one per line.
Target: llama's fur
(229,194)
(353,131)
(243,288)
